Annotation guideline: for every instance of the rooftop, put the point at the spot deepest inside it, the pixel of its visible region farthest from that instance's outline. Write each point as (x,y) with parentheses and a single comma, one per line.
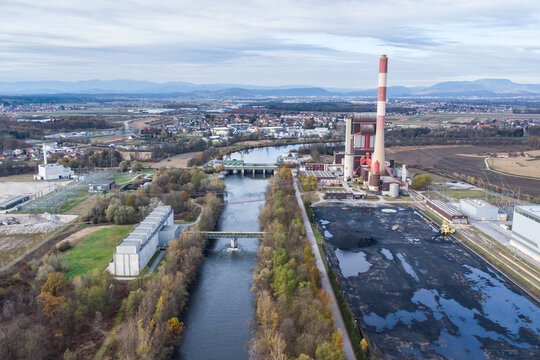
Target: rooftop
(533,210)
(447,208)
(478,203)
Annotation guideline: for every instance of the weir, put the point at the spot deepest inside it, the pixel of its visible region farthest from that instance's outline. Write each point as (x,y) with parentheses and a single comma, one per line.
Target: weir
(233,235)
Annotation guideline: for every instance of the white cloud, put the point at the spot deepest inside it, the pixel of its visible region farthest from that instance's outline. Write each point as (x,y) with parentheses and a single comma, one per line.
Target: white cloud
(313,42)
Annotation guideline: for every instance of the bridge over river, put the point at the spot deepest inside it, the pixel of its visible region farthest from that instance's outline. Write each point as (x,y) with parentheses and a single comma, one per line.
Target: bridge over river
(239,166)
(233,235)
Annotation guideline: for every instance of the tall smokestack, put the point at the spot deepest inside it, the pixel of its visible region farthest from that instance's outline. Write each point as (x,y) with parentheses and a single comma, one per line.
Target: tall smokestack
(378,152)
(348,161)
(44,154)
(404,174)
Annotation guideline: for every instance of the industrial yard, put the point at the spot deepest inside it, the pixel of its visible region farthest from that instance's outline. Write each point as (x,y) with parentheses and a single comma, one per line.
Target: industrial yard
(418,295)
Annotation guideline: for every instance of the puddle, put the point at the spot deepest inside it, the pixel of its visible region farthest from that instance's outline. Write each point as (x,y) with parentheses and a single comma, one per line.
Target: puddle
(408,268)
(387,254)
(390,320)
(352,263)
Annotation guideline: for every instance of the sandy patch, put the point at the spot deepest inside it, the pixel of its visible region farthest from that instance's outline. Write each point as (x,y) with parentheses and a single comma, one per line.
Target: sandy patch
(12,188)
(471,155)
(11,224)
(177,161)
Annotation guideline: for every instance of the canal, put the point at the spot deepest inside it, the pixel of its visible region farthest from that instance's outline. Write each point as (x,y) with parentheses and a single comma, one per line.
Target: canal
(220,312)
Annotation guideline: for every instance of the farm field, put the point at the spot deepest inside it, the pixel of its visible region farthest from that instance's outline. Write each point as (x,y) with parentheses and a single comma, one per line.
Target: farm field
(95,251)
(448,159)
(522,166)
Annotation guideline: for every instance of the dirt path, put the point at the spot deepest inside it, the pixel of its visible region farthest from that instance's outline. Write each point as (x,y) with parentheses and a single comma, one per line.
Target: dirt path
(337,317)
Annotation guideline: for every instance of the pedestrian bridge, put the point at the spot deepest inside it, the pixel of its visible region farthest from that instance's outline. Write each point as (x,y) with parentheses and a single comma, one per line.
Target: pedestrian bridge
(233,235)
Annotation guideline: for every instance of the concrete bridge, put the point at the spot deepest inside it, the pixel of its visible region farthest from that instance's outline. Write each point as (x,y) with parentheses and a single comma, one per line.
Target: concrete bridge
(239,166)
(233,235)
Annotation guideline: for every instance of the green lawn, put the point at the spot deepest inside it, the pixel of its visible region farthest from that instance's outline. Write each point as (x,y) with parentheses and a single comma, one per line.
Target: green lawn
(464,194)
(95,251)
(183,222)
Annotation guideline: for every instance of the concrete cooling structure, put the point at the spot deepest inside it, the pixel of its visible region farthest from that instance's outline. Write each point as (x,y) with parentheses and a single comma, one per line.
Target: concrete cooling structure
(136,250)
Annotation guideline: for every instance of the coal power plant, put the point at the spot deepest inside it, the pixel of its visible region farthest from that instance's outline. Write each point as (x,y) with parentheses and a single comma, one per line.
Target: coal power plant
(364,159)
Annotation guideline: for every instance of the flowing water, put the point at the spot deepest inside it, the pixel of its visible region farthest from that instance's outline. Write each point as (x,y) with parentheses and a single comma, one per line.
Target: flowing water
(220,312)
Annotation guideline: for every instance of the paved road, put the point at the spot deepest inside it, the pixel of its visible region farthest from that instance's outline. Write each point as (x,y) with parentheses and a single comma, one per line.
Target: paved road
(338,319)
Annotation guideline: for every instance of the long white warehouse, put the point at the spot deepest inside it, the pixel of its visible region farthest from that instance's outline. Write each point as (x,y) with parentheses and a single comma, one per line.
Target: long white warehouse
(136,250)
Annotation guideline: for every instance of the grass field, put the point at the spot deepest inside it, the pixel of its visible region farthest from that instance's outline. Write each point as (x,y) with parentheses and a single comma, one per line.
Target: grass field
(95,251)
(183,222)
(463,194)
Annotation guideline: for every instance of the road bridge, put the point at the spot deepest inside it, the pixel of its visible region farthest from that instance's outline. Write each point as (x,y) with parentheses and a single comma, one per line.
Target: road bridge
(233,235)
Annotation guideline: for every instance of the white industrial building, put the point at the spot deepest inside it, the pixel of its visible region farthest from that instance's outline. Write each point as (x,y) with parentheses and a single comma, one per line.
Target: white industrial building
(136,250)
(52,171)
(478,209)
(526,230)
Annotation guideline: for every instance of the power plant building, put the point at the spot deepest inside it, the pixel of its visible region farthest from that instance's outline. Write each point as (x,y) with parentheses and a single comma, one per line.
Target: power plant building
(478,209)
(364,154)
(52,171)
(362,133)
(136,250)
(526,230)
(447,211)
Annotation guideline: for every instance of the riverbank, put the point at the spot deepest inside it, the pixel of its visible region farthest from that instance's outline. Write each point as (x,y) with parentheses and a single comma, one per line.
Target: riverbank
(342,317)
(150,324)
(293,317)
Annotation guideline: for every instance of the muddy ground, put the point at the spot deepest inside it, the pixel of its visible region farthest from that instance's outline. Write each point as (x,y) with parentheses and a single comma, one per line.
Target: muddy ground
(418,296)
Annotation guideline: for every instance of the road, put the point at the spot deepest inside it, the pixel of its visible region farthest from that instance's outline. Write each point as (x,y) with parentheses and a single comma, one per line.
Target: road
(337,317)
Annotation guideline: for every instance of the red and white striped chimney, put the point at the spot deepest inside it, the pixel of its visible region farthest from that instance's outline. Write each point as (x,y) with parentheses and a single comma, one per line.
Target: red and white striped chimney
(378,152)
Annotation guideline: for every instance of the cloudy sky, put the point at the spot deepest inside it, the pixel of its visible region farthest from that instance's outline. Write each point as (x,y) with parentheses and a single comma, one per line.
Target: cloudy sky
(330,43)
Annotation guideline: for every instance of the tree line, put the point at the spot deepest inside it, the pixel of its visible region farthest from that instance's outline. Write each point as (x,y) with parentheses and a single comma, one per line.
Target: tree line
(48,316)
(22,130)
(150,323)
(293,319)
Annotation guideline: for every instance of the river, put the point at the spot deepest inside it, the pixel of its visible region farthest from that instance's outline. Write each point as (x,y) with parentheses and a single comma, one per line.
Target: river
(219,315)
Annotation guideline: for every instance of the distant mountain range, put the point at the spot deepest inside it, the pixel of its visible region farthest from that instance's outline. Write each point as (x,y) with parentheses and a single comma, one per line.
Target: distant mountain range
(488,88)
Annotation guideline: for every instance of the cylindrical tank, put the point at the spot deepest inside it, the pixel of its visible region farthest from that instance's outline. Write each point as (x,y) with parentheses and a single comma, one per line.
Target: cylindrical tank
(375,179)
(394,190)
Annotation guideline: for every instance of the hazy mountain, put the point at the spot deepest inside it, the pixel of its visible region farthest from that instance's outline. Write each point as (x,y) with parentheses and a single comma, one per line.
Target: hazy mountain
(478,88)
